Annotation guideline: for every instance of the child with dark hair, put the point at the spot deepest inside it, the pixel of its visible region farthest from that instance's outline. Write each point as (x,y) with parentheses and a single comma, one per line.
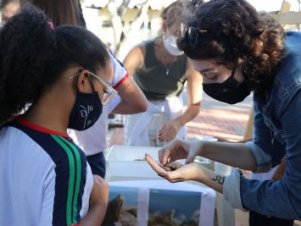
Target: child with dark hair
(238,51)
(130,98)
(61,73)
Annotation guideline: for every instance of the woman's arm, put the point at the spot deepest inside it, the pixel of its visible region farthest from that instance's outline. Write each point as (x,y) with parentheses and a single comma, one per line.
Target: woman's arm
(134,60)
(232,154)
(98,203)
(194,93)
(132,98)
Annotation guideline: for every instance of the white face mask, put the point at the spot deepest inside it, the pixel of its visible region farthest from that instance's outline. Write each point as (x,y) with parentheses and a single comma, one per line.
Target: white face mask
(170,44)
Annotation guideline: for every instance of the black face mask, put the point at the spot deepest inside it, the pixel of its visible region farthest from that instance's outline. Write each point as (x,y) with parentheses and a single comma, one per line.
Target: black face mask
(230,91)
(86,111)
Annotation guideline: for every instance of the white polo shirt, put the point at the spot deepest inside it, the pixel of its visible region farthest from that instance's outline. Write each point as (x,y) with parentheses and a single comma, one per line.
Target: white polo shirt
(44,177)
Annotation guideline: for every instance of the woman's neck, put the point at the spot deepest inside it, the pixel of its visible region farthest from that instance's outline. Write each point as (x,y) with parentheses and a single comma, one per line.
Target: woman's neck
(161,53)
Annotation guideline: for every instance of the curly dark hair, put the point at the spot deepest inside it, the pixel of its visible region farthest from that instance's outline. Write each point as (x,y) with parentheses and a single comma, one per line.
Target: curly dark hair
(232,30)
(33,55)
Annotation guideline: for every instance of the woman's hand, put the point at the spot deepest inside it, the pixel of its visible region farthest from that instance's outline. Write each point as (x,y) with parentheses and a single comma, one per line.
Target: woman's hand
(169,131)
(172,152)
(180,149)
(191,171)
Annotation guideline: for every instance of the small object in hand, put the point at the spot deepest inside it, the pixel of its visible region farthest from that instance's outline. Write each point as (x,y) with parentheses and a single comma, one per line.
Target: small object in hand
(172,166)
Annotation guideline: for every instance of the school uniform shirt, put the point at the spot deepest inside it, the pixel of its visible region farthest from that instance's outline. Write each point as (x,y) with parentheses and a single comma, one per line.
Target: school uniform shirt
(44,177)
(93,140)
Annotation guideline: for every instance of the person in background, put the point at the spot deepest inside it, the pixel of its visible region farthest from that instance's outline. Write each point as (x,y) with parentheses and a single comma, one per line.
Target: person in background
(239,51)
(161,71)
(60,74)
(57,11)
(130,98)
(8,9)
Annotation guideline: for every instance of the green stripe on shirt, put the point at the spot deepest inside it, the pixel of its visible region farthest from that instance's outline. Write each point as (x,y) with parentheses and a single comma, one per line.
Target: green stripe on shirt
(78,175)
(71,181)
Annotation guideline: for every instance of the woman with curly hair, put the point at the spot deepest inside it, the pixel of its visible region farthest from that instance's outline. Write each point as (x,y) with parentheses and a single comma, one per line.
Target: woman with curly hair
(238,50)
(60,74)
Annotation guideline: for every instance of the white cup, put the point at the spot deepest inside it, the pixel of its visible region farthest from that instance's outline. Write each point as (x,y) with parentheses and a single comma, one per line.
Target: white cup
(157,121)
(222,169)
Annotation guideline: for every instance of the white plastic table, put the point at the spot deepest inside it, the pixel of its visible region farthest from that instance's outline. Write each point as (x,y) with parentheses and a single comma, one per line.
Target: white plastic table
(126,167)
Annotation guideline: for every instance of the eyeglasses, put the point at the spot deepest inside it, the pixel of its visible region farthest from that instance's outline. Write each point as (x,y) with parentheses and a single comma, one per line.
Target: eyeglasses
(192,34)
(109,91)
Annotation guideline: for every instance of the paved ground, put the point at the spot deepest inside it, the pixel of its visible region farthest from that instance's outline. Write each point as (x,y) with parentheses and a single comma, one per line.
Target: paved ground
(221,120)
(215,119)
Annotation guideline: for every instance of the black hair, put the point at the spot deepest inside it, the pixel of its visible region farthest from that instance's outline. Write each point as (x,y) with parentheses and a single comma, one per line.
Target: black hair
(33,55)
